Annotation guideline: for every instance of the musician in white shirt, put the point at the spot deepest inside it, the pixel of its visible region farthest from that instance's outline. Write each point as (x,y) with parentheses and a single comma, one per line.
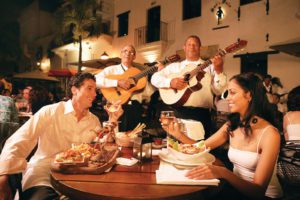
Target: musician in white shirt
(133,108)
(200,102)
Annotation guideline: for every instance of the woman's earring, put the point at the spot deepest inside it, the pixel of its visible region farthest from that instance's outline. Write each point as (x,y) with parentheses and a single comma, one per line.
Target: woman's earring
(254,120)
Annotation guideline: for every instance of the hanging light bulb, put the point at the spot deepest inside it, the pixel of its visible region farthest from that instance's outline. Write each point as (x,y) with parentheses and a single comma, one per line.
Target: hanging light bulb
(104,56)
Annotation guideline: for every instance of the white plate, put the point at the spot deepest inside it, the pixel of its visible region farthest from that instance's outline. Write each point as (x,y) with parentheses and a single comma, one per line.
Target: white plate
(166,156)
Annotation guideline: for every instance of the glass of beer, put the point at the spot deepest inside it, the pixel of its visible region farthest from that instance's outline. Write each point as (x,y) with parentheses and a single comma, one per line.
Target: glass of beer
(167,117)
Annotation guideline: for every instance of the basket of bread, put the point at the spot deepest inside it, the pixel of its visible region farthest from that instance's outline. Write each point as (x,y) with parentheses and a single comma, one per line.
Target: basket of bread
(125,139)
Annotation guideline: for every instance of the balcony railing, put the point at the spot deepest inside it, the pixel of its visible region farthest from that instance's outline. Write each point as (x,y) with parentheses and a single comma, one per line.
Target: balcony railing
(143,35)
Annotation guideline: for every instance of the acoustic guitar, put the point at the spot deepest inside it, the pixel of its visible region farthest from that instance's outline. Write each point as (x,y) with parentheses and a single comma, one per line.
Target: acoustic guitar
(137,78)
(193,75)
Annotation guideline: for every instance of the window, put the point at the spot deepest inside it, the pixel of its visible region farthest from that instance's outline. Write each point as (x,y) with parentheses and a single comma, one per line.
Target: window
(153,25)
(244,2)
(191,9)
(123,24)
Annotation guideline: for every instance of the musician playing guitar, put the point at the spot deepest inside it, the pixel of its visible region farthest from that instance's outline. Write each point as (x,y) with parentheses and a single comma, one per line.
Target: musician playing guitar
(132,108)
(212,79)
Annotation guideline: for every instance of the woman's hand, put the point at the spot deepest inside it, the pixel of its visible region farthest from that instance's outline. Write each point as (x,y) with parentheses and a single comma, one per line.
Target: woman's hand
(205,172)
(173,128)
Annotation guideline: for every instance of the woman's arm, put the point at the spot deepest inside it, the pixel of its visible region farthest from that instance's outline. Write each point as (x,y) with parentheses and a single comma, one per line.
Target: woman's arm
(214,141)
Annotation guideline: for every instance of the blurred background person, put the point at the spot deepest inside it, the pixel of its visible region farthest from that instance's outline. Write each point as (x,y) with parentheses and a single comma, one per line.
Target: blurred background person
(8,111)
(279,95)
(268,86)
(291,120)
(38,97)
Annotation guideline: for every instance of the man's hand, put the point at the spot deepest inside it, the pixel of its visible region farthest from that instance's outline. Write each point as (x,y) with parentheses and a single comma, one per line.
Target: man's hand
(159,66)
(218,64)
(5,191)
(178,83)
(125,84)
(116,113)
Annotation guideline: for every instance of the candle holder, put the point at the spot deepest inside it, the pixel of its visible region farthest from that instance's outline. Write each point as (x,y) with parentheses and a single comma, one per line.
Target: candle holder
(142,147)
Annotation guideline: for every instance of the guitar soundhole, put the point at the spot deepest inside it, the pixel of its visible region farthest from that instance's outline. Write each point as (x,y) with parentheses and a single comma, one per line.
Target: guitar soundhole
(118,91)
(187,77)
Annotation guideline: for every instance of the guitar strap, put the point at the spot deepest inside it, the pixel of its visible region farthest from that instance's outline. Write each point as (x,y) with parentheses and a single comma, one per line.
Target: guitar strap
(123,68)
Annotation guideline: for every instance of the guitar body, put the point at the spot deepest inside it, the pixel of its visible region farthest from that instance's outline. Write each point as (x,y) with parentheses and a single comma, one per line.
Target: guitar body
(179,97)
(193,75)
(116,93)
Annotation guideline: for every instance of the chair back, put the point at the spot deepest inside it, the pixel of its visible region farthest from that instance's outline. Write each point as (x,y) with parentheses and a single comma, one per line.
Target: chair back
(6,130)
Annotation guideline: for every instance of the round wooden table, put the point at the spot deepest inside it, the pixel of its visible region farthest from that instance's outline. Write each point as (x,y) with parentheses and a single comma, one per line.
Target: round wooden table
(122,182)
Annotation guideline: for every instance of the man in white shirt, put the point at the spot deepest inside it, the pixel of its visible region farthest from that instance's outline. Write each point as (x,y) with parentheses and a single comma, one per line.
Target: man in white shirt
(133,108)
(54,128)
(200,102)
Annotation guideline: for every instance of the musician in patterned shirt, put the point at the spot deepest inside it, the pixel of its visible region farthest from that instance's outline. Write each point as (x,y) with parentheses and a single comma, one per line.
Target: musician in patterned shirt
(198,105)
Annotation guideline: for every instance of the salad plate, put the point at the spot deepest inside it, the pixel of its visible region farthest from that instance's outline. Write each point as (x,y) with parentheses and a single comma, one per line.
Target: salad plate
(166,156)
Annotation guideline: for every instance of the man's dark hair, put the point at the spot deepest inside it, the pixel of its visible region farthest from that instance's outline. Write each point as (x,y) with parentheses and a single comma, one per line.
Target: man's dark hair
(77,81)
(293,102)
(268,76)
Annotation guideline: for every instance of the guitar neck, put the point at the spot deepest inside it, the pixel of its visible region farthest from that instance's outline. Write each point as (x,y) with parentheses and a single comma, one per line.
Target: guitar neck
(145,72)
(202,66)
(149,70)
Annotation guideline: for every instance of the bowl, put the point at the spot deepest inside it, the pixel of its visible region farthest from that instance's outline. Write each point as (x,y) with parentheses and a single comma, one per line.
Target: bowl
(188,157)
(123,140)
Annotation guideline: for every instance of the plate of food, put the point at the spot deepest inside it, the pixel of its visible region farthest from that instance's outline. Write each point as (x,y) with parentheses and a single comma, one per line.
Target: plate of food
(86,159)
(187,152)
(166,156)
(76,155)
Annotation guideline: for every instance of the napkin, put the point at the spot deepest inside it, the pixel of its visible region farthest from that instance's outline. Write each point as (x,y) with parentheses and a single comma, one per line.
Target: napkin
(126,161)
(168,174)
(194,129)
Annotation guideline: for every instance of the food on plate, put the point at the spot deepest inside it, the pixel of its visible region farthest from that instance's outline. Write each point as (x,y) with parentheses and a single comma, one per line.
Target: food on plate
(187,148)
(76,154)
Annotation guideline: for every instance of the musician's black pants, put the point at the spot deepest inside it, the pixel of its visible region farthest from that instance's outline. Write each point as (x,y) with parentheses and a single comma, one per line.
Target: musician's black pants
(132,116)
(198,114)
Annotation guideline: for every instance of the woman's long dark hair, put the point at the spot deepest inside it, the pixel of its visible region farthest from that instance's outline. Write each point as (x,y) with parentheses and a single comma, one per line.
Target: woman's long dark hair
(258,106)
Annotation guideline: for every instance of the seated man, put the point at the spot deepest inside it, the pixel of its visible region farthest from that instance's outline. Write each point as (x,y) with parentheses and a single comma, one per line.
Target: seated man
(54,128)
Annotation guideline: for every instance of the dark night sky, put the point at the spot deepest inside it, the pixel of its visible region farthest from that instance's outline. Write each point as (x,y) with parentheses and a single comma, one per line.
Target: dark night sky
(10,51)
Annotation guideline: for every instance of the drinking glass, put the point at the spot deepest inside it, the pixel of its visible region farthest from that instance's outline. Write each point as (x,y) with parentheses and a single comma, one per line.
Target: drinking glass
(167,117)
(112,107)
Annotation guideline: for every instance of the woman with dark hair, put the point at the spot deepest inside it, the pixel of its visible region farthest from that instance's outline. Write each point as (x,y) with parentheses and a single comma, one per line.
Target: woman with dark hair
(38,97)
(291,120)
(254,143)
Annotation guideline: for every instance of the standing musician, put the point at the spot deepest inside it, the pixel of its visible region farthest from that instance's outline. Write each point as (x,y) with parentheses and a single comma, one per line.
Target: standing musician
(133,108)
(197,107)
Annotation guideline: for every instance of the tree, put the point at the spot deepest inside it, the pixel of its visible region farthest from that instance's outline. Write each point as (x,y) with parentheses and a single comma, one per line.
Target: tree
(77,16)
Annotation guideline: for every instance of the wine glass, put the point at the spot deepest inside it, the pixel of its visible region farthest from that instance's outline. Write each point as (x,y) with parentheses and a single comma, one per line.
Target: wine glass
(112,107)
(167,117)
